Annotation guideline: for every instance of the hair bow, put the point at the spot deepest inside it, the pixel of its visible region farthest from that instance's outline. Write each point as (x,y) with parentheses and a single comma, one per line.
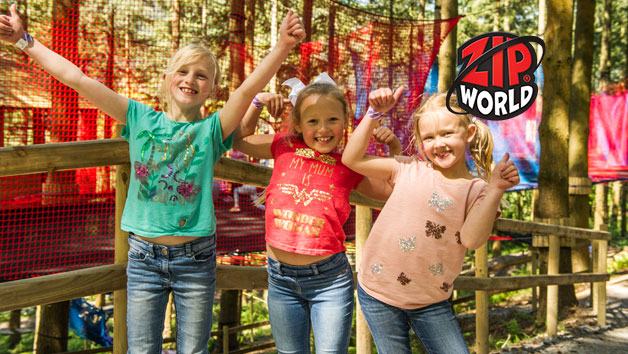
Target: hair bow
(297,85)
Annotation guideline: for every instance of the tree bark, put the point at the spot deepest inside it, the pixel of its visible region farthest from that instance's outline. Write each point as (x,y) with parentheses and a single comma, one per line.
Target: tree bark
(579,129)
(236,44)
(176,25)
(447,51)
(605,46)
(52,328)
(553,201)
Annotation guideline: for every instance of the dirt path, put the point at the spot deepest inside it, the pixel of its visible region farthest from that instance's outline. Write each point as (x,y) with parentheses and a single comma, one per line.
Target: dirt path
(585,337)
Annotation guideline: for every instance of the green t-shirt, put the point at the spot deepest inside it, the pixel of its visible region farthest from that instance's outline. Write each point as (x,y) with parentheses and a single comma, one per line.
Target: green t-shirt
(172,168)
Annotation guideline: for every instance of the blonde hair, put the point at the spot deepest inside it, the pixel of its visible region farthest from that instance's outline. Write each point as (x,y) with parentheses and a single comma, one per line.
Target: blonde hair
(480,148)
(321,89)
(186,55)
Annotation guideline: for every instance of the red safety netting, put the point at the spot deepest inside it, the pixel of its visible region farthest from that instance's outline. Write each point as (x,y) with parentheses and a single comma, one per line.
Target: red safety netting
(58,221)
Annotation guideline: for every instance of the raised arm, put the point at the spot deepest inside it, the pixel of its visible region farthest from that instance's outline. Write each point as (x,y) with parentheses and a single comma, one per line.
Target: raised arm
(111,103)
(479,222)
(291,32)
(354,156)
(258,146)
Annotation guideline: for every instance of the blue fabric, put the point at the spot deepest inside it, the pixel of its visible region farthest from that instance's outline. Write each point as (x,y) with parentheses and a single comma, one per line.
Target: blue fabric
(435,325)
(170,190)
(153,271)
(319,297)
(88,322)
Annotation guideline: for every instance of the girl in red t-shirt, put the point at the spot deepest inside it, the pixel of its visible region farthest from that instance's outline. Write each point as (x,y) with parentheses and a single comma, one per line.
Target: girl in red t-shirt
(307,202)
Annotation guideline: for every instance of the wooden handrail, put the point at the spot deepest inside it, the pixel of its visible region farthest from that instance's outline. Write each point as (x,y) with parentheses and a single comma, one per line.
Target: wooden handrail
(53,288)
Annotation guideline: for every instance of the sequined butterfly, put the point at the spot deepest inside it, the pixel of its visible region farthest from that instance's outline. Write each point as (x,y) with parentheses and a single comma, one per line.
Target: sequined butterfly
(376,268)
(407,244)
(440,203)
(458,237)
(434,230)
(445,287)
(436,269)
(403,279)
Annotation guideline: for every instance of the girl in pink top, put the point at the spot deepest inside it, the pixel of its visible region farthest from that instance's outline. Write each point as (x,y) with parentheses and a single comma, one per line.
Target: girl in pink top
(310,282)
(436,211)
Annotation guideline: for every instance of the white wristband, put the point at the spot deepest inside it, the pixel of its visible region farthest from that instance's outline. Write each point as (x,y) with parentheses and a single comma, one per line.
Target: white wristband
(24,41)
(375,115)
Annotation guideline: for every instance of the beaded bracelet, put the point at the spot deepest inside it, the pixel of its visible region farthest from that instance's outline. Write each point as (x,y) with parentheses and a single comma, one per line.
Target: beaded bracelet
(257,103)
(24,41)
(375,115)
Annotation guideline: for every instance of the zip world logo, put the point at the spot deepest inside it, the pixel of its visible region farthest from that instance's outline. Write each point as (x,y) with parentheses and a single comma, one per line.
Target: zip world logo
(496,80)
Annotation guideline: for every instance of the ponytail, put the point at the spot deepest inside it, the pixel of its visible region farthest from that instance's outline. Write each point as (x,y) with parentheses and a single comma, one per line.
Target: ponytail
(481,149)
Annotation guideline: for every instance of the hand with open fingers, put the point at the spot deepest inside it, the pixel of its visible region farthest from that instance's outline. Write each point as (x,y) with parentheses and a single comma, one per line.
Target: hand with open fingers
(384,99)
(274,102)
(291,31)
(11,29)
(505,174)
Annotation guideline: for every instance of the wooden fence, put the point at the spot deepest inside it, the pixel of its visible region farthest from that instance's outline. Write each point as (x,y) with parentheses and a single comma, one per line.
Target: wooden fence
(112,278)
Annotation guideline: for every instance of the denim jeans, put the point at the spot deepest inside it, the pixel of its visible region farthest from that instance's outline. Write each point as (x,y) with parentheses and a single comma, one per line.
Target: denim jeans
(435,325)
(153,271)
(318,296)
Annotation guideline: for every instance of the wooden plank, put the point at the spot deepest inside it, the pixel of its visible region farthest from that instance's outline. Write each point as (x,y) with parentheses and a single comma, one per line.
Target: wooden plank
(28,159)
(527,227)
(523,282)
(53,288)
(48,289)
(240,278)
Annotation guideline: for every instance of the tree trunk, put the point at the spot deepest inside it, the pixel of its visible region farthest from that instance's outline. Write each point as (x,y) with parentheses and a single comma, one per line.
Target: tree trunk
(605,46)
(331,35)
(622,203)
(250,36)
(506,17)
(447,51)
(52,328)
(579,129)
(496,15)
(236,44)
(421,4)
(553,201)
(615,219)
(230,309)
(175,25)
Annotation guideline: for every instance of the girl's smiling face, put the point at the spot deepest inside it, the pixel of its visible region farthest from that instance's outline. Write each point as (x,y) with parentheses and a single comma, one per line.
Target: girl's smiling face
(444,139)
(192,83)
(322,122)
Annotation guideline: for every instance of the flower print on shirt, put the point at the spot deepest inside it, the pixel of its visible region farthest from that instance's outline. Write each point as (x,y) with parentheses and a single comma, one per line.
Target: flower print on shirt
(165,166)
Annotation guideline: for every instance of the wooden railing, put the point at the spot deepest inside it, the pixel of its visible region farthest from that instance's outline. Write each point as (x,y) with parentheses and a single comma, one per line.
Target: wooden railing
(112,278)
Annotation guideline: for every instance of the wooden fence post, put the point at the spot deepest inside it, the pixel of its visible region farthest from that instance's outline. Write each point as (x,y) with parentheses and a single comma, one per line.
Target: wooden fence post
(553,262)
(123,175)
(481,302)
(599,266)
(363,224)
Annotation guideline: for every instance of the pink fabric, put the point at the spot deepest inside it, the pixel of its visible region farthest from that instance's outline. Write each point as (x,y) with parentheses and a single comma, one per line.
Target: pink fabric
(413,253)
(307,200)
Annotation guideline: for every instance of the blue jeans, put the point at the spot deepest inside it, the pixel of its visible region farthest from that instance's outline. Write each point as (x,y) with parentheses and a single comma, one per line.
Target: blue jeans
(153,271)
(435,325)
(318,296)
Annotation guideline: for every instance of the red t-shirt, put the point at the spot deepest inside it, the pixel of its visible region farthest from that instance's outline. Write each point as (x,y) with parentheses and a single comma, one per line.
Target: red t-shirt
(307,200)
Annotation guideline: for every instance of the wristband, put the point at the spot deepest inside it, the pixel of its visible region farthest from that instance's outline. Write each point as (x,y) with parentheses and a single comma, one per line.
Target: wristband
(24,41)
(375,115)
(257,103)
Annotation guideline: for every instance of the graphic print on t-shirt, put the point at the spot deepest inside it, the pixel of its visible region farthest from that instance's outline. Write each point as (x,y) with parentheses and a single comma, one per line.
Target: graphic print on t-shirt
(166,175)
